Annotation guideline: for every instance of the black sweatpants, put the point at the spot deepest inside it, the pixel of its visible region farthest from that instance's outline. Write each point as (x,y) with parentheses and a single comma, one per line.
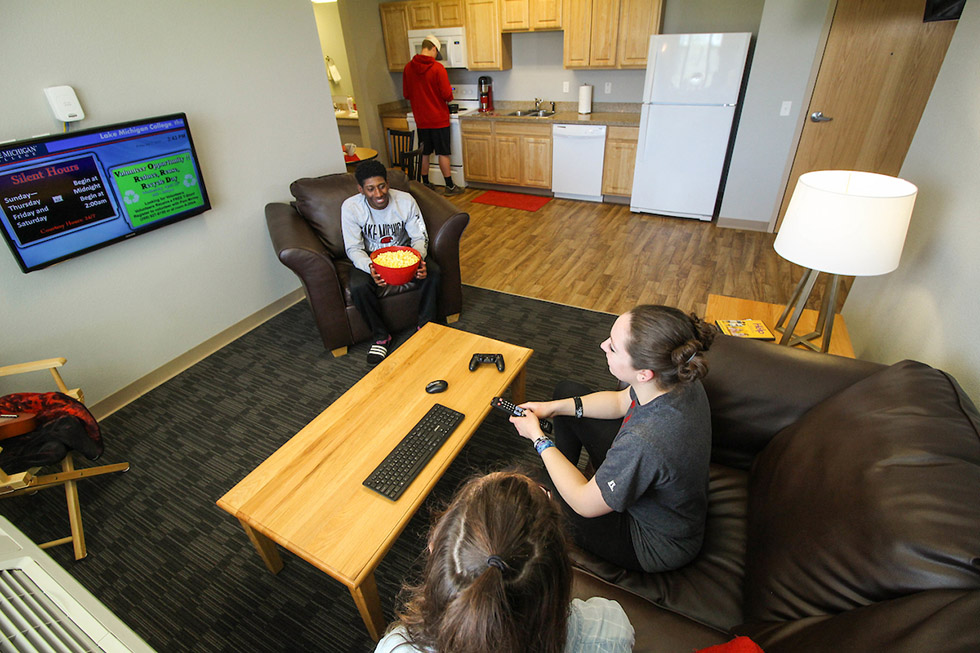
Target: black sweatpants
(607,536)
(364,294)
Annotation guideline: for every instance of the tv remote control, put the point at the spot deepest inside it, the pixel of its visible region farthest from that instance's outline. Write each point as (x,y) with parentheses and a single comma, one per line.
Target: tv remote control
(508,407)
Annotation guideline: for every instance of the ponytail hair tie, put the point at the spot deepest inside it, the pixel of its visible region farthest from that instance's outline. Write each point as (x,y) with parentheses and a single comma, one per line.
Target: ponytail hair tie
(496,561)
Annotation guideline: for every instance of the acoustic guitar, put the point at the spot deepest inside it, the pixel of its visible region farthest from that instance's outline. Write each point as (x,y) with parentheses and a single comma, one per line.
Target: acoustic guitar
(16,424)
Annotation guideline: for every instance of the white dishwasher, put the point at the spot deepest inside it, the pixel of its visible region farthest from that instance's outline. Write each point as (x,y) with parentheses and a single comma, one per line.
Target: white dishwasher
(576,161)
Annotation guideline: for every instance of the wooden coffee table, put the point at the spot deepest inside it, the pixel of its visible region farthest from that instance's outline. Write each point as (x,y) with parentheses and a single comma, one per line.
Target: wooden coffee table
(721,307)
(308,496)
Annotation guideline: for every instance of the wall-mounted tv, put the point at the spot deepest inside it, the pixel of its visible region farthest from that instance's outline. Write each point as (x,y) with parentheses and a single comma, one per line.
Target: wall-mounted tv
(66,194)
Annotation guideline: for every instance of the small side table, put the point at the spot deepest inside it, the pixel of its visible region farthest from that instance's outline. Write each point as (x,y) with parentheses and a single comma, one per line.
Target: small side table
(721,307)
(361,154)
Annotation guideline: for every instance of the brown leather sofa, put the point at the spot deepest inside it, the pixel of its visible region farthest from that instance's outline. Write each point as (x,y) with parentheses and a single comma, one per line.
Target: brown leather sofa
(844,513)
(307,237)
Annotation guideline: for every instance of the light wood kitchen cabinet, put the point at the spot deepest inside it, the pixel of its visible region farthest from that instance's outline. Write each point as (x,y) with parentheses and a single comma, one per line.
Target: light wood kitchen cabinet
(399,17)
(515,154)
(530,15)
(522,154)
(609,33)
(477,150)
(618,160)
(644,18)
(394,31)
(449,13)
(421,14)
(486,47)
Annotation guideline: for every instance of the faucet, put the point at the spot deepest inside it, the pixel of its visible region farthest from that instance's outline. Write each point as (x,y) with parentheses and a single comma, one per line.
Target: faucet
(552,107)
(537,104)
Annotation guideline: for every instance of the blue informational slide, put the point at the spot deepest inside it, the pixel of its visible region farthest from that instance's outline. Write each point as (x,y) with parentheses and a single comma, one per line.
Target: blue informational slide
(71,193)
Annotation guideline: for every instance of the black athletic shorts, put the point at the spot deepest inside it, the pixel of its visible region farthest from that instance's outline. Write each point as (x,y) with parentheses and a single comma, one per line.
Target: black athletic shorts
(435,140)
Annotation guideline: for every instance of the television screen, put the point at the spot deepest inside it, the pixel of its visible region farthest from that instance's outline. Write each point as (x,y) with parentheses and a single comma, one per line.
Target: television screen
(66,194)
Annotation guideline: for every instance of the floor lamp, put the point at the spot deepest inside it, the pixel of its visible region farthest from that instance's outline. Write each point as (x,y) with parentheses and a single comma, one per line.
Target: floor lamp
(840,222)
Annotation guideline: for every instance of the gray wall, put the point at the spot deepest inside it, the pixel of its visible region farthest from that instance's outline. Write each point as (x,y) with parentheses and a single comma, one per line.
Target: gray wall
(250,77)
(927,309)
(787,55)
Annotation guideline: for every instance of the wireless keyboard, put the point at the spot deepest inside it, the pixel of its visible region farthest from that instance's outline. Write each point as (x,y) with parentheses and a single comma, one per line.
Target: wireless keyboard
(400,467)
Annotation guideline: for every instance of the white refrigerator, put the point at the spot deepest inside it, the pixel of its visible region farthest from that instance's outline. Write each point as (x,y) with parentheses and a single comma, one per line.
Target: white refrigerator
(689,97)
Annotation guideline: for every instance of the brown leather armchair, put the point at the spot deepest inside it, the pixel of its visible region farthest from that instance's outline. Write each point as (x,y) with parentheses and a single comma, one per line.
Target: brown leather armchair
(307,237)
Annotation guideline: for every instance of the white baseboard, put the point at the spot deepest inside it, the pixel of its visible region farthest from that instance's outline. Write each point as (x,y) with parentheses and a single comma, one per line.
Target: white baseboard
(165,372)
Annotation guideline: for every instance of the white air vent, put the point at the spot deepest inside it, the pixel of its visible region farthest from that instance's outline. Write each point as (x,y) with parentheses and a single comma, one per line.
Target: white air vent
(42,608)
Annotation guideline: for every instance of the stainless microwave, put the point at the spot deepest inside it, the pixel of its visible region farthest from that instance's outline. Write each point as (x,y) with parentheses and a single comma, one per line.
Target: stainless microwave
(453,39)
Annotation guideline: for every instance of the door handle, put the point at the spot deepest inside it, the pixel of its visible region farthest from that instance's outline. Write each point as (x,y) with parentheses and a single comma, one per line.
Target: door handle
(817,116)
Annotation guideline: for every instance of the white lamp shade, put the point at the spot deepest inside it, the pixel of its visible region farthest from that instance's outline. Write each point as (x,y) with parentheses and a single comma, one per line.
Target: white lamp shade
(846,222)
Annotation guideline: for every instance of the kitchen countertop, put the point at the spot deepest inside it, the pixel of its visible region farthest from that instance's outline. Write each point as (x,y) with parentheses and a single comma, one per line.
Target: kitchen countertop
(564,115)
(608,118)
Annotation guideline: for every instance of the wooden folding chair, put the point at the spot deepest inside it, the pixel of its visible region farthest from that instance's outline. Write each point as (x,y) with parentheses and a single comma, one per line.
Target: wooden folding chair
(29,482)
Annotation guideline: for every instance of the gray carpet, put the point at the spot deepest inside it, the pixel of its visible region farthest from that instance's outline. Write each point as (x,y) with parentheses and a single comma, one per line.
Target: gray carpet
(179,570)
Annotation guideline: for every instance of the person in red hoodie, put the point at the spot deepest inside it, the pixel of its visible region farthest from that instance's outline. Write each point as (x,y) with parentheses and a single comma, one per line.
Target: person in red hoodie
(425,85)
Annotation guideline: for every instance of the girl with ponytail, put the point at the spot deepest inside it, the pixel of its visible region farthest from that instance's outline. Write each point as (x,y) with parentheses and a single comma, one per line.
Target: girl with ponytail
(649,443)
(498,578)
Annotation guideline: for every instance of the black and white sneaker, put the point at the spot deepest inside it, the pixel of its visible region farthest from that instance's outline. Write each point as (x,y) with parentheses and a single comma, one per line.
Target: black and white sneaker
(378,351)
(455,190)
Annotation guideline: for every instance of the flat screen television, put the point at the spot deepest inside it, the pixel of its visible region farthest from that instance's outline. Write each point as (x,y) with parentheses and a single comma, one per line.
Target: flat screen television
(67,194)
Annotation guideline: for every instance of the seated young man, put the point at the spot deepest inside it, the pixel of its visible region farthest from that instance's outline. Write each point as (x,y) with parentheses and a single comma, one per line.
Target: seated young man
(379,216)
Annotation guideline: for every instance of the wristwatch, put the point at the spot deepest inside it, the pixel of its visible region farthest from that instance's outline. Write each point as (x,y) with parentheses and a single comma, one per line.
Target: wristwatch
(578,407)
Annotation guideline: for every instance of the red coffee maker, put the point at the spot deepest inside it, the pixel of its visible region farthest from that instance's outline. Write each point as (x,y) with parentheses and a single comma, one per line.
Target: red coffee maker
(486,94)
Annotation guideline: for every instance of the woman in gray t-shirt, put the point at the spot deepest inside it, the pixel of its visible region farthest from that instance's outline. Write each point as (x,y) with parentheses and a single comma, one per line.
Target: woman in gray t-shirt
(650,443)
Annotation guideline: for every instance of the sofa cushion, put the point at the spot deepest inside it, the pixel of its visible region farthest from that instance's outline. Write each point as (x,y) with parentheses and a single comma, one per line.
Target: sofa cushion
(709,588)
(870,496)
(755,390)
(318,200)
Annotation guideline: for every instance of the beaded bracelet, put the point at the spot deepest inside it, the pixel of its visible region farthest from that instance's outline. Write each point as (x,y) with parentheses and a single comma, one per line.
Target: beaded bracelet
(542,443)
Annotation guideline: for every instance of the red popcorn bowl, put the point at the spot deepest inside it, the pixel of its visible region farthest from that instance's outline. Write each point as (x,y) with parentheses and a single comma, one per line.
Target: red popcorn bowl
(396,276)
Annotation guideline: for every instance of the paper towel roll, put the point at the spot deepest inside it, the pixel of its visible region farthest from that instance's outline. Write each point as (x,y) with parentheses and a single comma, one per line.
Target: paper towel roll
(585,98)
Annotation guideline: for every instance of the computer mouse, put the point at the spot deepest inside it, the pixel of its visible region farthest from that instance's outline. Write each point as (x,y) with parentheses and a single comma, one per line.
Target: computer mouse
(436,386)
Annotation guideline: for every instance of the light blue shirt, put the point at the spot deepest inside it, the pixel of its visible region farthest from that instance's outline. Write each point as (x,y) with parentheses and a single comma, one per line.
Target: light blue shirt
(594,626)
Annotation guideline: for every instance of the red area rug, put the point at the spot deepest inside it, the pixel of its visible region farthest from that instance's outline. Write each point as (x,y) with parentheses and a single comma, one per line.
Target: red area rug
(512,200)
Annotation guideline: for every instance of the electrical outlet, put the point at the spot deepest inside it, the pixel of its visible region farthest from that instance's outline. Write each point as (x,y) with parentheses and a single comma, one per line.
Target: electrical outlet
(608,88)
(564,87)
(785,108)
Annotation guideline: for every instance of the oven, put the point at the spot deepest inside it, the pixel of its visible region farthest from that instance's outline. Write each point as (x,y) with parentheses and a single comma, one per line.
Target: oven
(467,97)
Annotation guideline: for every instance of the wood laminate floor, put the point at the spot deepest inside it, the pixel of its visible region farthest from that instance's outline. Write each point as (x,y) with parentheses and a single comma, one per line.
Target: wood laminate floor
(604,258)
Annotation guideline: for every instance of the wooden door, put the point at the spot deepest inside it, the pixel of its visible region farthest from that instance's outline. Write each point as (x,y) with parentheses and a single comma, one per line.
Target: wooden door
(877,72)
(485,48)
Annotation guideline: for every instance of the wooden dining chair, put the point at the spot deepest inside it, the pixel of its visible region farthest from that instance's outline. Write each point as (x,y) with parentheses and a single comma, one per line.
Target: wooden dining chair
(29,482)
(411,163)
(399,142)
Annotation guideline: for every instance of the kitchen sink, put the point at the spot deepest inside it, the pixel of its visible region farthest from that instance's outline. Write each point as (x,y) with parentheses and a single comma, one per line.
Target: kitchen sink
(533,113)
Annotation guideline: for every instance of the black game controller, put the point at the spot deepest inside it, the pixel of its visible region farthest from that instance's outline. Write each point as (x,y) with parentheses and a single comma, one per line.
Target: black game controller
(502,404)
(498,359)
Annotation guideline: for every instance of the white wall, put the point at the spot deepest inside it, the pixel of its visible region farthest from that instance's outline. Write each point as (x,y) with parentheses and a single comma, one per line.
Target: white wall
(250,77)
(928,309)
(787,56)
